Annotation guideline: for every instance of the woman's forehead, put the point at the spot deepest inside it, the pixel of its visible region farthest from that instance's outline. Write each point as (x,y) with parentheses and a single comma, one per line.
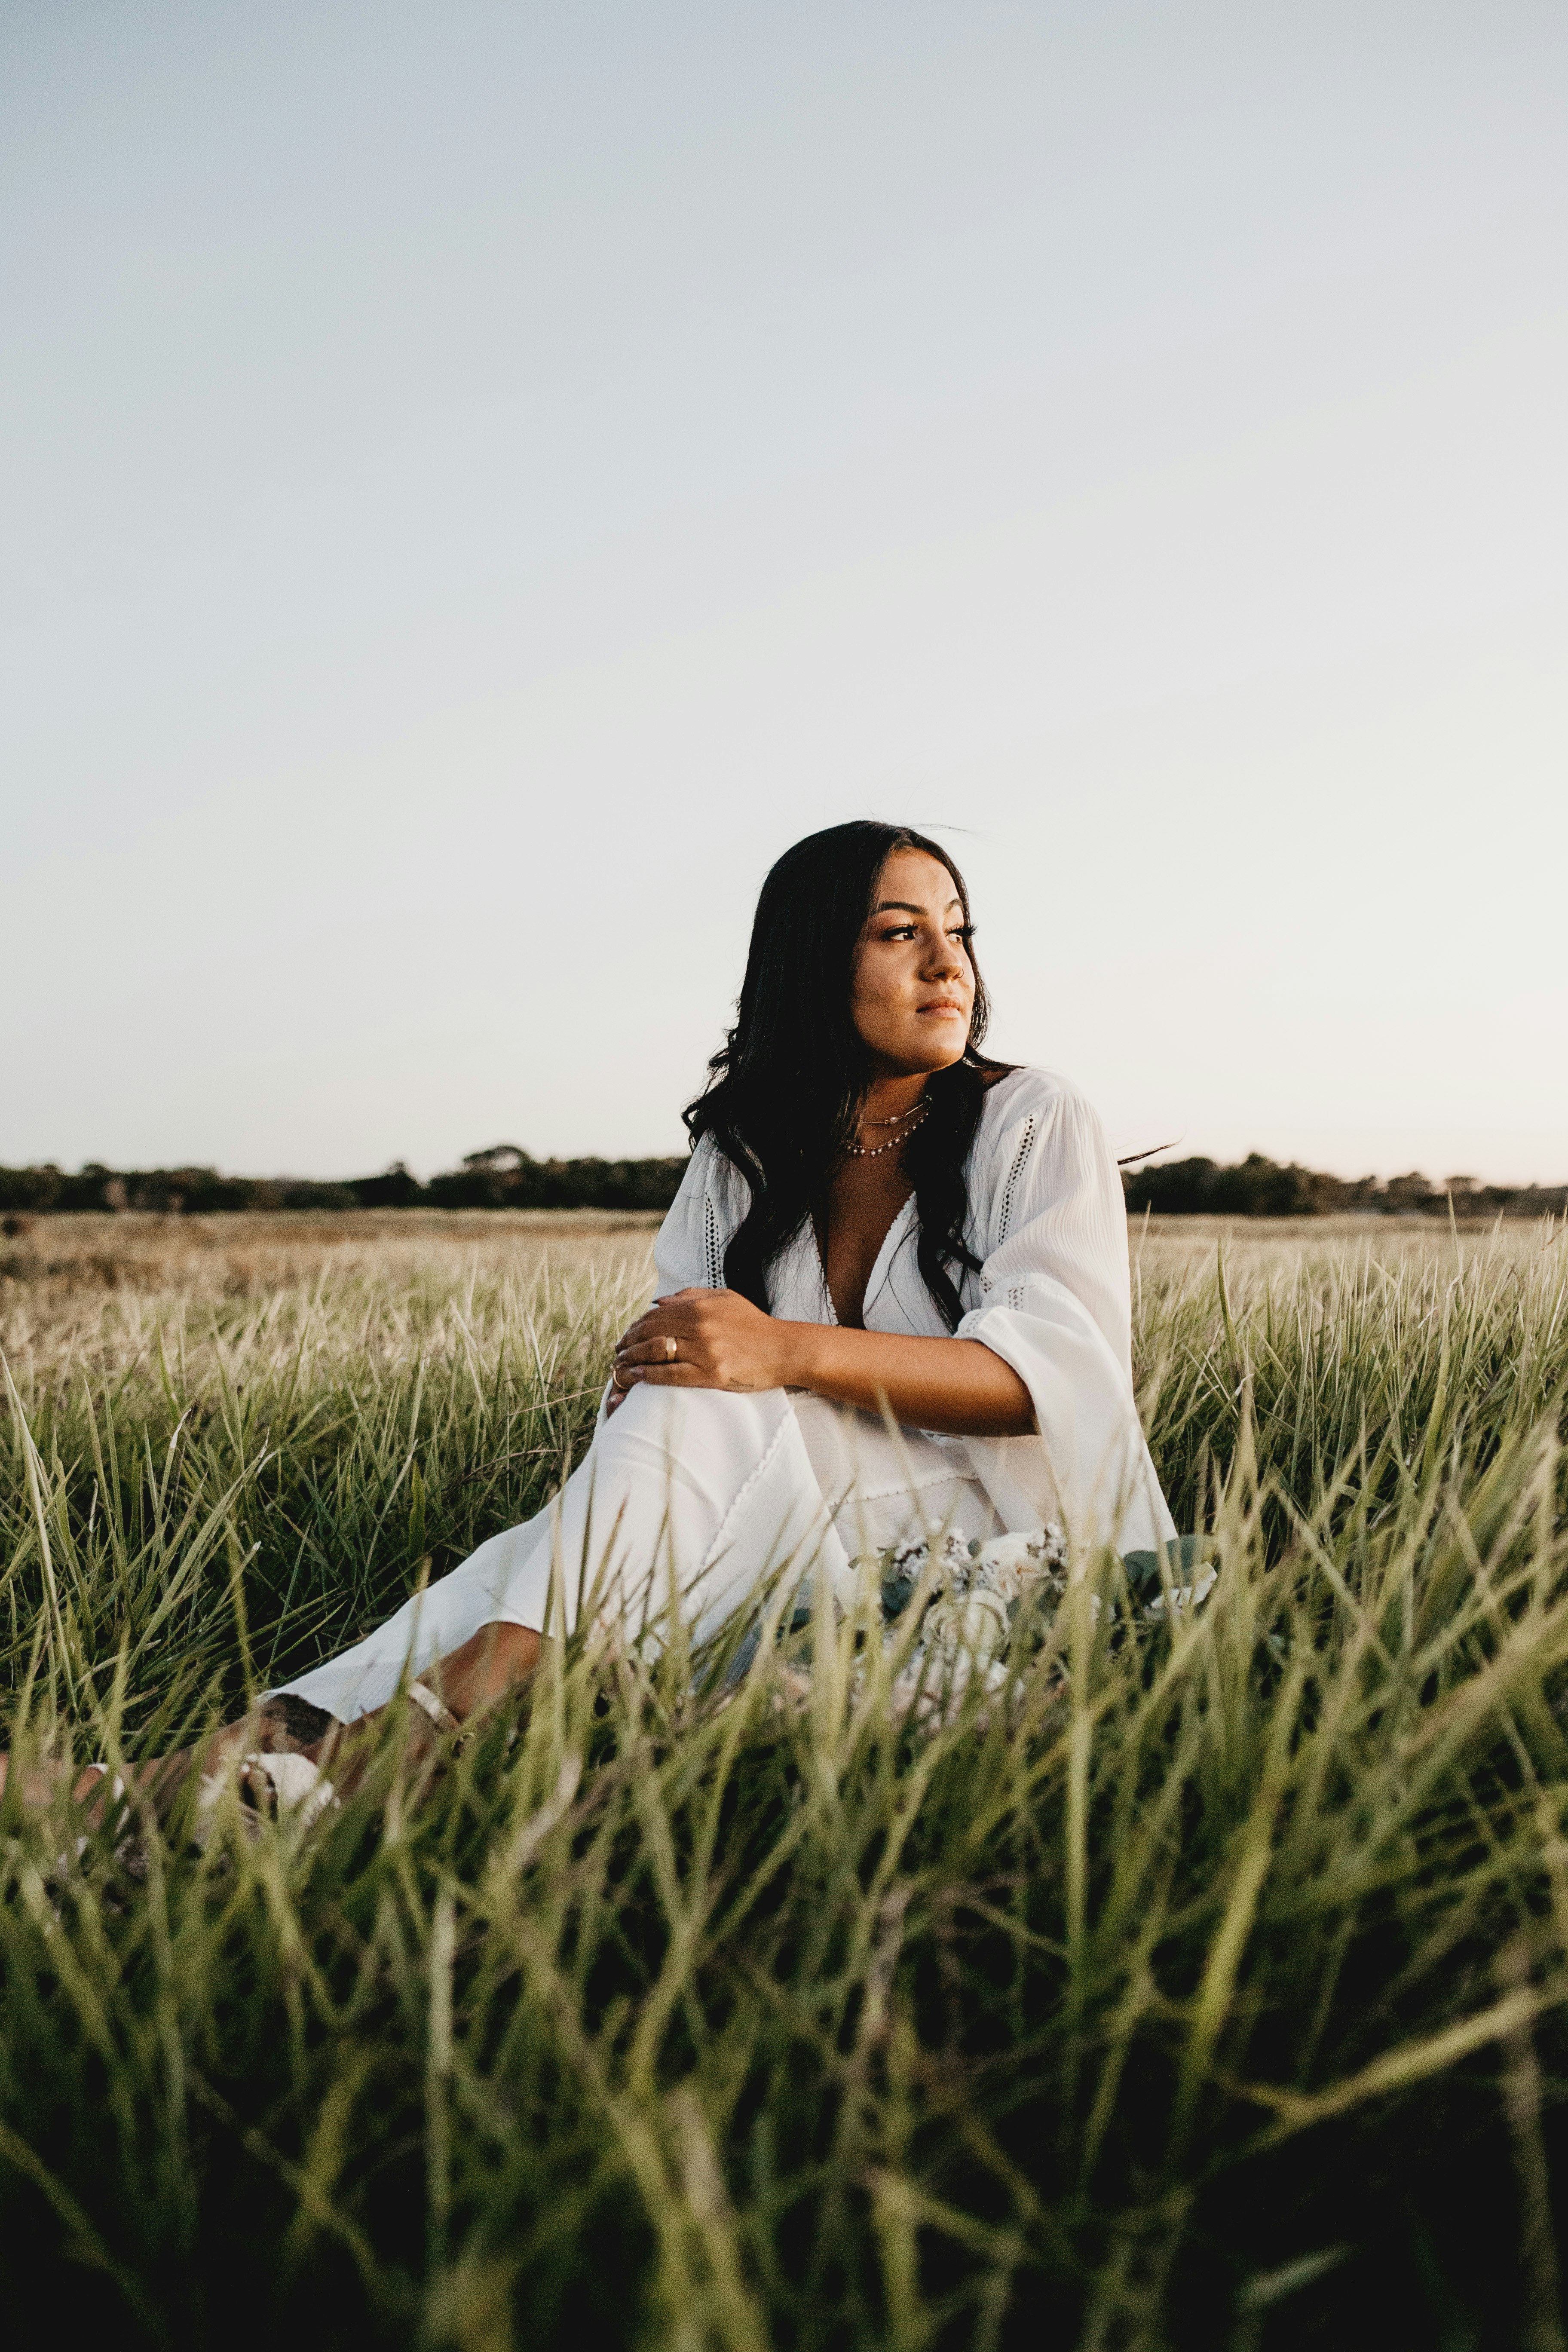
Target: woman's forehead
(915,881)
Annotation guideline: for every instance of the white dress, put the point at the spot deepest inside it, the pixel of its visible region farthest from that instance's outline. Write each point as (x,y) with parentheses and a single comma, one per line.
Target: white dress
(695,1497)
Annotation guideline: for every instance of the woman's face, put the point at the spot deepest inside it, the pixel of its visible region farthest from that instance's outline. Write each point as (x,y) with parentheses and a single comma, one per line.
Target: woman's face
(914,984)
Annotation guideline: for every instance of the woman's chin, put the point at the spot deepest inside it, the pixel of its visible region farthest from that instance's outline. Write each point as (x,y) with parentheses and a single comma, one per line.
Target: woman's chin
(925,1055)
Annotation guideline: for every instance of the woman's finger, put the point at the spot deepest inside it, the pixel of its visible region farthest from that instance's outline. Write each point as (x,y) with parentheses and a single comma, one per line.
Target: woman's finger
(669,1376)
(677,1314)
(648,1359)
(640,1333)
(661,1349)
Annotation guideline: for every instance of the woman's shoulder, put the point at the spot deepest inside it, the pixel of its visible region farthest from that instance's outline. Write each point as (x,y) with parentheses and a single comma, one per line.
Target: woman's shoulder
(1023,1093)
(1036,1125)
(1040,1145)
(712,1171)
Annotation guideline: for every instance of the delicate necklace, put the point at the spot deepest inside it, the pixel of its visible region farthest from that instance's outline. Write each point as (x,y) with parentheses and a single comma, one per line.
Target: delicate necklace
(875,1151)
(920,1102)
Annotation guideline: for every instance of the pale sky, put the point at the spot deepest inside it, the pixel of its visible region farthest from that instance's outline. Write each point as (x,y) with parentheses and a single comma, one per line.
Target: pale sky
(479,480)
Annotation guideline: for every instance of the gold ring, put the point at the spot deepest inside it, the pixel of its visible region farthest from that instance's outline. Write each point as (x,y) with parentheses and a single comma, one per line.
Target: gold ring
(670,1350)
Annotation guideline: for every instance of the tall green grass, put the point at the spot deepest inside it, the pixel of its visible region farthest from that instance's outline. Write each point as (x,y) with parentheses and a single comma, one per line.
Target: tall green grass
(1211,1995)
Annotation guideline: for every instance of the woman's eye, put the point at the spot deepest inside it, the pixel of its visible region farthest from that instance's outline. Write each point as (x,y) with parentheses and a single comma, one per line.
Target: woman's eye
(903,931)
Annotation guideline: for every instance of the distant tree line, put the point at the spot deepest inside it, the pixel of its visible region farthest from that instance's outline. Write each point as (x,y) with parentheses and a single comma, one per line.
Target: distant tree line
(1257,1187)
(504,1176)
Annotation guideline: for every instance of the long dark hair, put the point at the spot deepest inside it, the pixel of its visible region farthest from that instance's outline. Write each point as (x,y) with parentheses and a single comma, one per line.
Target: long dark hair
(786,1086)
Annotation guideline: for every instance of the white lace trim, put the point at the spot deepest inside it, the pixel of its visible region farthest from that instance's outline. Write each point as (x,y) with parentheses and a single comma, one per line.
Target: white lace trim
(712,1244)
(1010,1189)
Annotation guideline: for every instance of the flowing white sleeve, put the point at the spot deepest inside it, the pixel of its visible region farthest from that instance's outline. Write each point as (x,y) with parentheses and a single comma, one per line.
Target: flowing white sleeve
(688,1254)
(1055,1305)
(689,1241)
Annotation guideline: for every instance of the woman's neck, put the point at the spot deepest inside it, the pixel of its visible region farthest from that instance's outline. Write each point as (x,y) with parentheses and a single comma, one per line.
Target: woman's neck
(887,1100)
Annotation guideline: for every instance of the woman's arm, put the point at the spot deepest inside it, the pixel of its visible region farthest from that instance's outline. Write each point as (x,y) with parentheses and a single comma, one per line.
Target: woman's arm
(722,1341)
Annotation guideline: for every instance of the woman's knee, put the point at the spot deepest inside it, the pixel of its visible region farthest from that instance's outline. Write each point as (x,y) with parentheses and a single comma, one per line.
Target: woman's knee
(677,1421)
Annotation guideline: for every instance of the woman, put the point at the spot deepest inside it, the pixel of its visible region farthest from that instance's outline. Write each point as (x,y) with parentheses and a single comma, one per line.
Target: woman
(877,1222)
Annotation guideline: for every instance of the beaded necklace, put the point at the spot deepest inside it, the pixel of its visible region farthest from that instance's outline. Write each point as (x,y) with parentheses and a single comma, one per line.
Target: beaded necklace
(875,1151)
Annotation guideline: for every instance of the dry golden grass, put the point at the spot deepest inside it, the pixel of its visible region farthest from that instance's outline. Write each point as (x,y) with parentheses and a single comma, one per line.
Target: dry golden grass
(95,1290)
(59,1260)
(248,1255)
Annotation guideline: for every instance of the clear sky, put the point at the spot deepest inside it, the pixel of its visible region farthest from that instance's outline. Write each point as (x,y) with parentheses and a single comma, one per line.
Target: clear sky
(479,480)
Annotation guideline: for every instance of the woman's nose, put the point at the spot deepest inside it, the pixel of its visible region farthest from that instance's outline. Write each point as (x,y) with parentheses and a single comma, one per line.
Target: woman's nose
(943,959)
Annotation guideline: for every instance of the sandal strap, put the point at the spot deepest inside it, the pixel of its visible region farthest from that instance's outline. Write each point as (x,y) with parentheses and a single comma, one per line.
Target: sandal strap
(426,1700)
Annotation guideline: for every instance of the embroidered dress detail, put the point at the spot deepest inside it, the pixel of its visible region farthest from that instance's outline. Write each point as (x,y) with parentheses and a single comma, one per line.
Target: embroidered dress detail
(712,1244)
(1009,1190)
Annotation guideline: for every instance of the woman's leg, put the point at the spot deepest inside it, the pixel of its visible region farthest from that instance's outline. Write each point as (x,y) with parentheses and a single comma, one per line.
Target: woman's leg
(687,1495)
(688,1499)
(494,1662)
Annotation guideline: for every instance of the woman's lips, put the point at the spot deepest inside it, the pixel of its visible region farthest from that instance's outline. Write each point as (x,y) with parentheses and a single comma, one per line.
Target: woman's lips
(941,1004)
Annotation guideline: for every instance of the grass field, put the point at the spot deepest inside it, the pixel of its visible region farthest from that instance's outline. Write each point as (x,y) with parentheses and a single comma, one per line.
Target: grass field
(1210,1996)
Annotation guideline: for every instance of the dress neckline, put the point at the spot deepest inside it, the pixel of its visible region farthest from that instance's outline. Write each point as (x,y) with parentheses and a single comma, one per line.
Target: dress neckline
(880,1264)
(895,1233)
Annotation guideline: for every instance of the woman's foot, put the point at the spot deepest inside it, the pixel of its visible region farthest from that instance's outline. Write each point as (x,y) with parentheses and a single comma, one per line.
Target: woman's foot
(496,1661)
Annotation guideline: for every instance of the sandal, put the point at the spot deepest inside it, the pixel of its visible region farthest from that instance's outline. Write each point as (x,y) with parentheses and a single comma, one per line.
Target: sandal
(267,1787)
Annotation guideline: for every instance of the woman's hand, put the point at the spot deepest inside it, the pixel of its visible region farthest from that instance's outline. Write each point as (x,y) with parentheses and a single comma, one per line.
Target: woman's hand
(706,1339)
